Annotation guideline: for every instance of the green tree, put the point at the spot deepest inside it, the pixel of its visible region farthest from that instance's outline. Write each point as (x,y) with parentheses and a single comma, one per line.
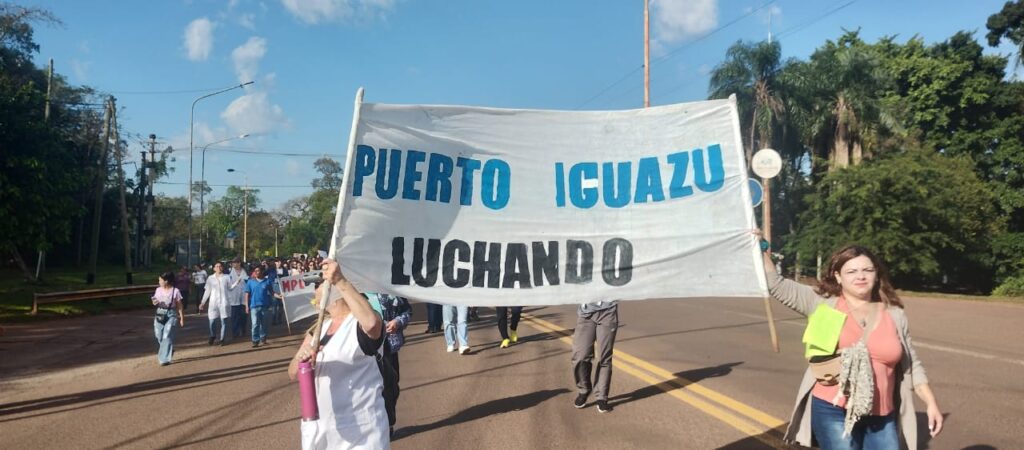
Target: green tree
(842,114)
(927,215)
(1008,23)
(330,174)
(750,71)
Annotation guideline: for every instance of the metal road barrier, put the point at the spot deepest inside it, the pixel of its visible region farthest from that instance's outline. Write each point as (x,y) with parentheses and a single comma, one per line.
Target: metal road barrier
(89,294)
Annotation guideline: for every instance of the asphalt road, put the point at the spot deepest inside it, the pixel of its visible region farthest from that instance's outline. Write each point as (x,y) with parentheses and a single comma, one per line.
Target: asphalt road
(688,374)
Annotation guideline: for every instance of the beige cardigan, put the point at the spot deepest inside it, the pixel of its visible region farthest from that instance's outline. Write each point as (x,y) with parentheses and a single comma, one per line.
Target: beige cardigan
(909,374)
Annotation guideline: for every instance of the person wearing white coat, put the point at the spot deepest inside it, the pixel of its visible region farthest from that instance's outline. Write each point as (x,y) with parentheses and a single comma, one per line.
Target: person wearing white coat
(217,293)
(349,387)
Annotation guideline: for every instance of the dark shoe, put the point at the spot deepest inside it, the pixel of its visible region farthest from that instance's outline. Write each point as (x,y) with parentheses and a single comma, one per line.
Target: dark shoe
(220,343)
(581,401)
(210,342)
(255,344)
(263,342)
(603,406)
(164,363)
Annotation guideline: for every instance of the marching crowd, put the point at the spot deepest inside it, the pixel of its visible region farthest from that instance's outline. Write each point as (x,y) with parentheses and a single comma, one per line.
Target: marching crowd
(859,402)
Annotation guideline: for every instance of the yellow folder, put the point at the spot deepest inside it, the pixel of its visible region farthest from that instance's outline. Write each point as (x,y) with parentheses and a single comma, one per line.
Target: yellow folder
(823,328)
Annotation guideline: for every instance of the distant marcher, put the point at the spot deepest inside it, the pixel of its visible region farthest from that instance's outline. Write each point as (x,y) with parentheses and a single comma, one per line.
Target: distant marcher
(508,331)
(170,314)
(259,293)
(595,323)
(183,281)
(456,331)
(875,406)
(217,295)
(349,385)
(474,315)
(199,283)
(236,298)
(434,317)
(397,313)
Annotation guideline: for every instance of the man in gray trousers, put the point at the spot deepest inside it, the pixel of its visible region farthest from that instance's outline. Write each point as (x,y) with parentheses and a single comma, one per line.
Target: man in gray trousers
(595,322)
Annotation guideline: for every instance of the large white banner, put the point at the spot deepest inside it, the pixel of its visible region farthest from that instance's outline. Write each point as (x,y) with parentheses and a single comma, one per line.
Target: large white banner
(486,207)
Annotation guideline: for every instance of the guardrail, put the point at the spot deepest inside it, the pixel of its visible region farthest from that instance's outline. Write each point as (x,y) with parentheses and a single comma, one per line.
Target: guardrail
(89,294)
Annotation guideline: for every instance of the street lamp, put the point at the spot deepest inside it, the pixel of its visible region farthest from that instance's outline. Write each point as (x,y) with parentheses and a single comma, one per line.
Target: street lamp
(191,134)
(202,191)
(245,216)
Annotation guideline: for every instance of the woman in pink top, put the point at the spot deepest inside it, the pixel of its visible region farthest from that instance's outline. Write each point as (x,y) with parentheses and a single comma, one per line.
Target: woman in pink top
(856,283)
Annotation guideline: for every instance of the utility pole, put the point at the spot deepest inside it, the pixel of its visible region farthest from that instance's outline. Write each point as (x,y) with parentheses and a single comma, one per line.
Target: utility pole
(101,180)
(245,222)
(46,119)
(275,241)
(150,200)
(647,54)
(127,241)
(139,215)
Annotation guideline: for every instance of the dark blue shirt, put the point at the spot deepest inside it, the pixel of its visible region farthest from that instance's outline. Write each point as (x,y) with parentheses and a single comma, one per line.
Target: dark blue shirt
(261,292)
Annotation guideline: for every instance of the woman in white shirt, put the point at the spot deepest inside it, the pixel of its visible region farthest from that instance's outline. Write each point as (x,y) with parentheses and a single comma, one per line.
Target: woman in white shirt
(218,289)
(349,388)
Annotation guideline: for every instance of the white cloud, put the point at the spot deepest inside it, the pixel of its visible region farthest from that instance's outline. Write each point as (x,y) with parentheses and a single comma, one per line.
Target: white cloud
(199,39)
(677,20)
(253,113)
(326,11)
(247,21)
(247,58)
(80,69)
(292,167)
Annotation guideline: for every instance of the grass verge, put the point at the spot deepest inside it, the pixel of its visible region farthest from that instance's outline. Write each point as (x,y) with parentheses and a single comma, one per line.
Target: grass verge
(16,293)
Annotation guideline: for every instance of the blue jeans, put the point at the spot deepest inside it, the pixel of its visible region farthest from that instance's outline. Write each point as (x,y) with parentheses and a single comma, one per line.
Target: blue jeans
(459,329)
(869,433)
(259,330)
(223,326)
(237,320)
(164,333)
(277,312)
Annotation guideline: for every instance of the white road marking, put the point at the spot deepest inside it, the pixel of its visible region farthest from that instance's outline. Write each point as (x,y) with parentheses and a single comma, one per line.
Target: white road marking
(917,342)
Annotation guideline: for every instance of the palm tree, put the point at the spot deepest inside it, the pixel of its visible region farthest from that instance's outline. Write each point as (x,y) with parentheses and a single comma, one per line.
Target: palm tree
(750,71)
(839,103)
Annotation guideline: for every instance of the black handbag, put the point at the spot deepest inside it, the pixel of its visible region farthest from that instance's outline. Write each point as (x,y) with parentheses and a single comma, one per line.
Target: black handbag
(162,315)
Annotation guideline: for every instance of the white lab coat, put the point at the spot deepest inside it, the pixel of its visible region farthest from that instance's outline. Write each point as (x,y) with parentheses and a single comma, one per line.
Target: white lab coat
(218,292)
(349,395)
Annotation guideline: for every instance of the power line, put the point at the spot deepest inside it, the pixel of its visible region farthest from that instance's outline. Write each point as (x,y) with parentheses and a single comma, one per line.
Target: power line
(254,151)
(251,185)
(788,31)
(677,50)
(185,91)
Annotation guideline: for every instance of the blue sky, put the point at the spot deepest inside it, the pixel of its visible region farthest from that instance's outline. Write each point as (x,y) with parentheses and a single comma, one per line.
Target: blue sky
(308,58)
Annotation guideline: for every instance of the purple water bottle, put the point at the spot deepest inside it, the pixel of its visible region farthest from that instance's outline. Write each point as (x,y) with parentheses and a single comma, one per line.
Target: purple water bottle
(307,392)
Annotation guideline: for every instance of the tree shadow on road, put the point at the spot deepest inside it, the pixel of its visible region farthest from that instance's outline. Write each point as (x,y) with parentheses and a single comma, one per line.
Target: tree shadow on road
(681,380)
(499,406)
(53,405)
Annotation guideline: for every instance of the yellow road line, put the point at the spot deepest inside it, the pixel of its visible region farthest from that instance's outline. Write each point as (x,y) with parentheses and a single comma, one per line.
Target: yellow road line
(676,387)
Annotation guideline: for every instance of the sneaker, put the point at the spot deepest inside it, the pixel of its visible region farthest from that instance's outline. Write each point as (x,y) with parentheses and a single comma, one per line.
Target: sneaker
(255,344)
(451,348)
(603,406)
(581,401)
(512,335)
(504,343)
(220,343)
(165,363)
(210,342)
(463,350)
(263,341)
